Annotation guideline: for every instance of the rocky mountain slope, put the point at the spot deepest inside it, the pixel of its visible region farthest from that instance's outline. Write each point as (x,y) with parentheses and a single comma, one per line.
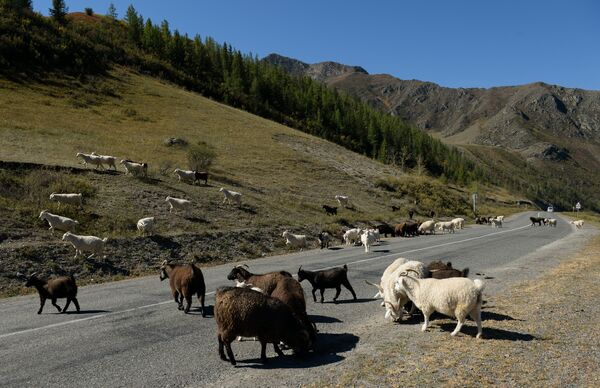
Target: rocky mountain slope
(556,130)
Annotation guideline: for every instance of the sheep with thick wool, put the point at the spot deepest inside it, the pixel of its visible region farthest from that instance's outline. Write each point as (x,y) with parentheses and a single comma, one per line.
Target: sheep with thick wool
(145,225)
(455,297)
(459,223)
(295,240)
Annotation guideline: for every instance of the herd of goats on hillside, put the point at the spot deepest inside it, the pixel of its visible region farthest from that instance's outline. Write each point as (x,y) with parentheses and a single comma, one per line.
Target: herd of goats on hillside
(271,307)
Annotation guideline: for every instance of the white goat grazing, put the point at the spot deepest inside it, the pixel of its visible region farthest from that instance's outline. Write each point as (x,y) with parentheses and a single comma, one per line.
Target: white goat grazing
(231,196)
(395,299)
(351,236)
(92,159)
(496,223)
(85,243)
(145,225)
(110,161)
(179,204)
(367,238)
(459,223)
(295,240)
(427,226)
(185,175)
(389,270)
(58,222)
(343,200)
(68,199)
(578,223)
(445,226)
(551,222)
(455,297)
(135,168)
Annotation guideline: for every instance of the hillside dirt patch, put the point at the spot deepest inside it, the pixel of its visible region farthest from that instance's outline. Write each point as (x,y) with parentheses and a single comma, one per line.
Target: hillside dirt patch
(542,333)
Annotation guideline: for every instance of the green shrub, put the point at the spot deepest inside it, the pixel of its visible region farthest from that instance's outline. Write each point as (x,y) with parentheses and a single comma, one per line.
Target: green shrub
(200,157)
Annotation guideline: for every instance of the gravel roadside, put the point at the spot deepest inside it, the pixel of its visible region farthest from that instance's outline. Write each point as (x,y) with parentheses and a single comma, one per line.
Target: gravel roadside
(540,332)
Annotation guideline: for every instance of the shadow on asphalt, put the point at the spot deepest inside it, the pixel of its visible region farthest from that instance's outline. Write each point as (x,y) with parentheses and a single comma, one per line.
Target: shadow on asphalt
(85,311)
(491,316)
(382,250)
(358,300)
(490,333)
(322,319)
(208,310)
(326,352)
(335,248)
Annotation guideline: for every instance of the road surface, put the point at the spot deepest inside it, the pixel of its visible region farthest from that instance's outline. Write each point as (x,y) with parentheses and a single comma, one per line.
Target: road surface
(130,333)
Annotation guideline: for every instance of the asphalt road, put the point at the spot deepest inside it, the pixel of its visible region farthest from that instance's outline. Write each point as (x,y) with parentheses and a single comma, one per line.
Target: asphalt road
(130,333)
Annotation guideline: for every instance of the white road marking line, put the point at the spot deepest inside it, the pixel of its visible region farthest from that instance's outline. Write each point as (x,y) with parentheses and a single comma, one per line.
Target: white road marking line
(212,292)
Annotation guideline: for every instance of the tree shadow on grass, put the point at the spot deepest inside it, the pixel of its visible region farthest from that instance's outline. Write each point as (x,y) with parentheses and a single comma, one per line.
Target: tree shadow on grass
(326,351)
(490,333)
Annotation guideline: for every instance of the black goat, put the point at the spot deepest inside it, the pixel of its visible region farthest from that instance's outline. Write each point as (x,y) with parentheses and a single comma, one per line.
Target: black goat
(60,287)
(329,278)
(330,210)
(201,176)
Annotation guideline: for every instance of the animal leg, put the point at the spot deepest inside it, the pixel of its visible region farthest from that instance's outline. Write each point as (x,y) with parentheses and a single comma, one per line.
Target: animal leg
(277,350)
(64,310)
(176,298)
(458,326)
(338,289)
(201,298)
(230,353)
(42,302)
(221,352)
(76,303)
(346,284)
(476,316)
(426,322)
(55,305)
(263,351)
(314,292)
(322,290)
(188,300)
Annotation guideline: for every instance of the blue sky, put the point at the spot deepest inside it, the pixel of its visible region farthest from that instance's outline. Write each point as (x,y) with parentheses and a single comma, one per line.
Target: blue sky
(451,42)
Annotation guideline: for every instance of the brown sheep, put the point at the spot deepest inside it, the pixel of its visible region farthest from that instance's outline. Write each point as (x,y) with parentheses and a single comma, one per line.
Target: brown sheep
(440,270)
(60,287)
(185,280)
(266,282)
(247,313)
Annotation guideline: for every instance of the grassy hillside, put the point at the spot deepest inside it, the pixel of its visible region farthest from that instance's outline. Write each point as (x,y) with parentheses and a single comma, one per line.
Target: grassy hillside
(285,176)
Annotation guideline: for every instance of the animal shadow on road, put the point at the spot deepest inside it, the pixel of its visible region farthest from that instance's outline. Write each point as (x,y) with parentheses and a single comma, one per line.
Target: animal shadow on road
(335,248)
(491,316)
(208,310)
(86,312)
(358,300)
(327,347)
(322,319)
(489,333)
(382,250)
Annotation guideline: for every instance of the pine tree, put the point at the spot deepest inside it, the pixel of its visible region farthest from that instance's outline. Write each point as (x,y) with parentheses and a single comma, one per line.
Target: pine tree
(59,10)
(16,5)
(112,11)
(135,25)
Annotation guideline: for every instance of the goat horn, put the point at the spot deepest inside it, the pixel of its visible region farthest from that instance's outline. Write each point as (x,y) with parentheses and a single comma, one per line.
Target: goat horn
(164,262)
(20,275)
(33,274)
(241,265)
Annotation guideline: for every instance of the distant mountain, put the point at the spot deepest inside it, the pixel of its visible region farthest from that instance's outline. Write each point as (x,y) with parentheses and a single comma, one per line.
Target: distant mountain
(536,123)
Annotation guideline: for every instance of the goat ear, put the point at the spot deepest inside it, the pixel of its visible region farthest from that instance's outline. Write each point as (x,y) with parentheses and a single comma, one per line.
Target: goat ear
(299,268)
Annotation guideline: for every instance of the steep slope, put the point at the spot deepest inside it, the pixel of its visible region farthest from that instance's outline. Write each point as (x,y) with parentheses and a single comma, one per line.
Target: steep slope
(285,176)
(555,129)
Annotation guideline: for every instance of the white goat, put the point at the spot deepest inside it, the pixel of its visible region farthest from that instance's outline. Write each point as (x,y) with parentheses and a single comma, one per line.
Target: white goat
(145,225)
(58,222)
(445,226)
(185,175)
(376,234)
(343,200)
(578,223)
(389,270)
(395,299)
(135,168)
(551,222)
(92,159)
(455,297)
(459,223)
(68,199)
(231,196)
(427,226)
(496,223)
(367,238)
(110,161)
(351,236)
(85,243)
(179,204)
(295,240)
(501,218)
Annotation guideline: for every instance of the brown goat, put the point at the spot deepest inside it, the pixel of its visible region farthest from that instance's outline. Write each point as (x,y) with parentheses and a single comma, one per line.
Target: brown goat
(439,270)
(185,281)
(60,287)
(244,312)
(266,282)
(290,292)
